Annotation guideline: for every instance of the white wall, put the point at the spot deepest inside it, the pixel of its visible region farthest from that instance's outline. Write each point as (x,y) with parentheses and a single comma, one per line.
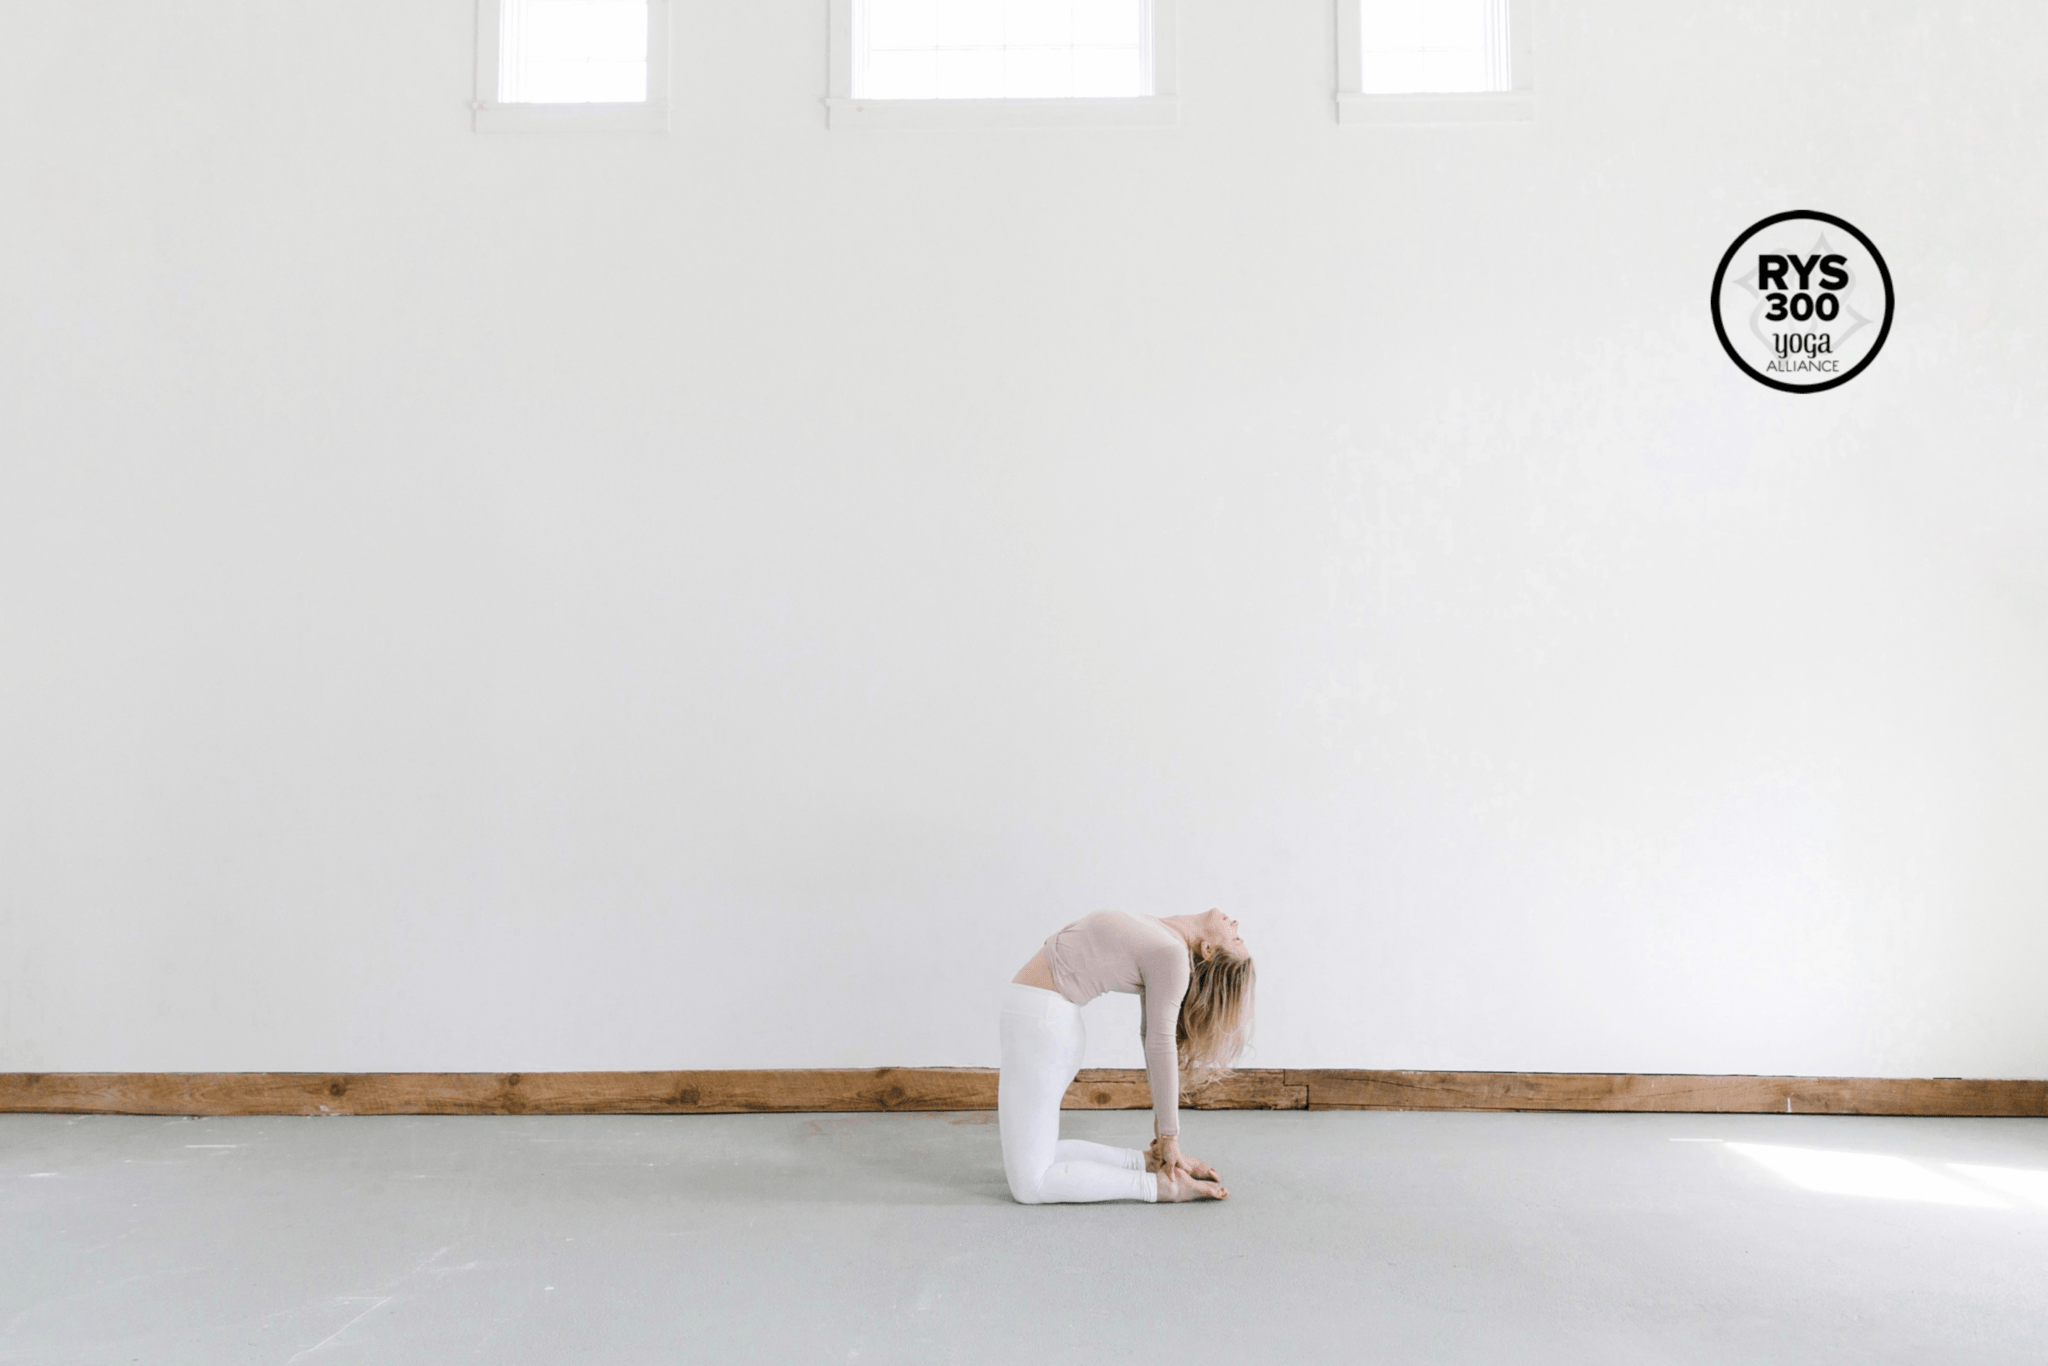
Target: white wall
(719,600)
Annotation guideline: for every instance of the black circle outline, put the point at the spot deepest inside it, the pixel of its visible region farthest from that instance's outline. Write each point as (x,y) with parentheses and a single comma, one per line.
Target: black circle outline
(1884,329)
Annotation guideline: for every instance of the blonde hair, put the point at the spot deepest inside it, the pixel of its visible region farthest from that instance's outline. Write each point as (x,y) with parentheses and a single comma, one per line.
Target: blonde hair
(1215,1016)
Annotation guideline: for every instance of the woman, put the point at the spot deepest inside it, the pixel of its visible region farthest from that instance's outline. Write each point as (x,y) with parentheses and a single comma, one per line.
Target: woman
(1193,978)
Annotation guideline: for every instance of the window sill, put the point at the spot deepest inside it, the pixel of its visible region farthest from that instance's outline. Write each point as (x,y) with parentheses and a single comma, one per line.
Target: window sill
(1512,106)
(650,116)
(1154,111)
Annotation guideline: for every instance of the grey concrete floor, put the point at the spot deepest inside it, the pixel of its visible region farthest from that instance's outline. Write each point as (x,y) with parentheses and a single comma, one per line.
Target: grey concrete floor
(890,1238)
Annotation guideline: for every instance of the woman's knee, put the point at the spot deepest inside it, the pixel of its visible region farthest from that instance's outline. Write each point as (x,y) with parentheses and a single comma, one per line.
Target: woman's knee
(1027,1190)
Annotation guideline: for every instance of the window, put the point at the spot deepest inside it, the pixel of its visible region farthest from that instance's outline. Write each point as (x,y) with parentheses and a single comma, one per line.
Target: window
(967,63)
(572,65)
(1433,61)
(1406,48)
(991,50)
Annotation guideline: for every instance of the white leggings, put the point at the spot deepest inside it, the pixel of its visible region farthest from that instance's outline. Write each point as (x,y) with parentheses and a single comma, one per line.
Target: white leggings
(1043,1039)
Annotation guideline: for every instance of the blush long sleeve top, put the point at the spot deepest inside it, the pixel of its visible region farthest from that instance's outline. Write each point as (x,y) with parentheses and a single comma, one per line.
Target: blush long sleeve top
(1112,951)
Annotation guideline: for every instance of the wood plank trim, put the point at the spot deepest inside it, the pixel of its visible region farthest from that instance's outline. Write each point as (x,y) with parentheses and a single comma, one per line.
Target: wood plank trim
(592,1093)
(1646,1092)
(971,1088)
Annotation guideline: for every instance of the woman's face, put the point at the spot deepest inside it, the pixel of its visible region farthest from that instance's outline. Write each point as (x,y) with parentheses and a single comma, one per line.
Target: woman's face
(1220,930)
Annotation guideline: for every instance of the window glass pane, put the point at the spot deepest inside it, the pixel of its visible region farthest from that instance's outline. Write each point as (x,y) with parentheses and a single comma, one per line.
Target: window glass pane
(1038,73)
(1109,23)
(892,25)
(901,76)
(1000,49)
(971,24)
(1433,46)
(1106,71)
(572,51)
(964,74)
(1038,23)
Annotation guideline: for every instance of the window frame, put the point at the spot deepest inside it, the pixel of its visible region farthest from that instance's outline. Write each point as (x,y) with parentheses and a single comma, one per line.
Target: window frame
(1356,108)
(488,115)
(1161,108)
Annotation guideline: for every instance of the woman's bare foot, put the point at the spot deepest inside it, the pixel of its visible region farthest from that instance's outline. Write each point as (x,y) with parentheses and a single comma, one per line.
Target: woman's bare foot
(1174,1189)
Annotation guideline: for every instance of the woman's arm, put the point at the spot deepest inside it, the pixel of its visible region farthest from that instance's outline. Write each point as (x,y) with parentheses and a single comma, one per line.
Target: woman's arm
(1164,973)
(1165,977)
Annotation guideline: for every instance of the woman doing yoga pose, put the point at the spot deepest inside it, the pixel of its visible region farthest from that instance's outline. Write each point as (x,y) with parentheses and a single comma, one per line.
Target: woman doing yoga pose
(1193,977)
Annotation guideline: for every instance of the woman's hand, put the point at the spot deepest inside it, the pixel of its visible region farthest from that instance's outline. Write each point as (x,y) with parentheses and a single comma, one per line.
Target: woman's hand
(1165,1157)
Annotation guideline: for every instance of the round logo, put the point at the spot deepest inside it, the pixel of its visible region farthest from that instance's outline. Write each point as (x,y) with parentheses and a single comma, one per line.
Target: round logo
(1802,302)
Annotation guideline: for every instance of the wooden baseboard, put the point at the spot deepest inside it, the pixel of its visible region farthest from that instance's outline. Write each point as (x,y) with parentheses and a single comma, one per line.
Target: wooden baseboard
(973,1088)
(1649,1093)
(591,1093)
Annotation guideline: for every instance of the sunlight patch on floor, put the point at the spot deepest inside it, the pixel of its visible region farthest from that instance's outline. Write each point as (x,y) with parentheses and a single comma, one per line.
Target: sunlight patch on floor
(2031,1186)
(1873,1175)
